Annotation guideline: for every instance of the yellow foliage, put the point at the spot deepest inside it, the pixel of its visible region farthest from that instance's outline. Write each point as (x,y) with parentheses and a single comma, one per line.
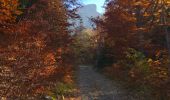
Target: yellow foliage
(150,60)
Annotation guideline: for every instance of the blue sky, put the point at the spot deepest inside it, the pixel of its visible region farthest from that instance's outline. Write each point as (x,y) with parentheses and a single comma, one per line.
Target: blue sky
(99,4)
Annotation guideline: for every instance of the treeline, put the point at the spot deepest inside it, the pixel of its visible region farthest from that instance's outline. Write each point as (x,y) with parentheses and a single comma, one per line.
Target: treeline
(35,49)
(84,46)
(134,44)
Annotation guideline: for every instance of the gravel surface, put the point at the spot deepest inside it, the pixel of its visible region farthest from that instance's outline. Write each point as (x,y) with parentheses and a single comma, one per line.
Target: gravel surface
(94,86)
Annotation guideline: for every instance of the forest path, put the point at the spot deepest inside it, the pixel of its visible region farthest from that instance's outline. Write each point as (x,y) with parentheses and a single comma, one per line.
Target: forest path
(94,86)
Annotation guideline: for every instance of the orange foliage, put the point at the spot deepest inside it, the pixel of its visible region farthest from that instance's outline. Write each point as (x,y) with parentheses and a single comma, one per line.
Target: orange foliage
(49,59)
(9,10)
(136,24)
(34,59)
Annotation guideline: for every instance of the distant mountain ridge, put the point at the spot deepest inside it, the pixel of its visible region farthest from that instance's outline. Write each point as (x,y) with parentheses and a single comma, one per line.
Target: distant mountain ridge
(86,12)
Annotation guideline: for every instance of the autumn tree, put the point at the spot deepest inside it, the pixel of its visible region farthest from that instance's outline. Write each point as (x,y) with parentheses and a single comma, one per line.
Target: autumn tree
(117,37)
(38,55)
(8,13)
(135,46)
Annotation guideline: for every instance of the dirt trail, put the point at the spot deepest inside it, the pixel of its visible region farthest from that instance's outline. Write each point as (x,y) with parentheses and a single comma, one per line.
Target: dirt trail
(94,86)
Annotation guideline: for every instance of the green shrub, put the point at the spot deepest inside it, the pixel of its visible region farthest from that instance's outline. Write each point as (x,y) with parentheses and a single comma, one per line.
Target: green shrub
(137,61)
(64,89)
(61,91)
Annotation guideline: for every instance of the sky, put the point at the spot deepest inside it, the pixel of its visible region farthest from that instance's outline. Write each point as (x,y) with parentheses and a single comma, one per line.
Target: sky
(99,4)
